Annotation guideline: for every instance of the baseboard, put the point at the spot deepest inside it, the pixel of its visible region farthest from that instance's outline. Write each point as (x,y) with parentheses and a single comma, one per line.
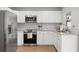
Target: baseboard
(55,48)
(34,45)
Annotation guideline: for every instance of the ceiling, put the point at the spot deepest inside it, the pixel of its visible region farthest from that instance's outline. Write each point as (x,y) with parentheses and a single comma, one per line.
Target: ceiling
(36,8)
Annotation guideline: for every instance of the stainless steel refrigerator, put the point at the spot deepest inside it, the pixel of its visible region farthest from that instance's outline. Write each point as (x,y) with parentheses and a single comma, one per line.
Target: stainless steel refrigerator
(8,31)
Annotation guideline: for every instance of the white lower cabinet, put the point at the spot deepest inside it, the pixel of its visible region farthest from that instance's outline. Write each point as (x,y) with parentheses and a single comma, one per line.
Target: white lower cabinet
(45,37)
(48,38)
(66,43)
(20,37)
(69,43)
(57,42)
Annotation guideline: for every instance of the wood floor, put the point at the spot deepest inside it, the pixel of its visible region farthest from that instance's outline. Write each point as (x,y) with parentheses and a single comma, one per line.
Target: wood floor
(36,48)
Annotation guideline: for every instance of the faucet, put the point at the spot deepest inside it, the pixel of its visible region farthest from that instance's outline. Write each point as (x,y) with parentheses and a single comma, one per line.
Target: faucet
(40,26)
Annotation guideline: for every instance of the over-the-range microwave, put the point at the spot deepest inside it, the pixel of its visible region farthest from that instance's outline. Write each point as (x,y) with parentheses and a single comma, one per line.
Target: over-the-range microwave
(31,19)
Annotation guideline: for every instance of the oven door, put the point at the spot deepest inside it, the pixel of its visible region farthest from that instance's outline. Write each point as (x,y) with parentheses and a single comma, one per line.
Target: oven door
(32,40)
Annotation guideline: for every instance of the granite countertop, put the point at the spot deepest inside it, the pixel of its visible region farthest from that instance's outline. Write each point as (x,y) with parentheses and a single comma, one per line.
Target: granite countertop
(58,32)
(67,33)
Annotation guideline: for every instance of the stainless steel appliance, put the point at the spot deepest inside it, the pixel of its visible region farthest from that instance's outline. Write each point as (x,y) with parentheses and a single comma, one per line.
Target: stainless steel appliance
(30,37)
(31,19)
(8,25)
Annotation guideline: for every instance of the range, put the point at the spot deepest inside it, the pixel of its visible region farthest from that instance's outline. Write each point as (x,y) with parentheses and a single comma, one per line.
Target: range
(30,36)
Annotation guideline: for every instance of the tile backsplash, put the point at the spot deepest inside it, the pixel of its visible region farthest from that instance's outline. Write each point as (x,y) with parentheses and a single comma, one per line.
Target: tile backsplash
(39,26)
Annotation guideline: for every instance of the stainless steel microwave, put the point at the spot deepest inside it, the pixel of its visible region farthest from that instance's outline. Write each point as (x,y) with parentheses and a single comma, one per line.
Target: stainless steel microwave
(30,19)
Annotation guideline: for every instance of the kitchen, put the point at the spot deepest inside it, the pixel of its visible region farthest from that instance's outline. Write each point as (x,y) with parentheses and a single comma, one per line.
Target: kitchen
(43,27)
(47,26)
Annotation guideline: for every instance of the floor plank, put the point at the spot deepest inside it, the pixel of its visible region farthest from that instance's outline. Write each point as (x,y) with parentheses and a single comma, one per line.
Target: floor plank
(36,48)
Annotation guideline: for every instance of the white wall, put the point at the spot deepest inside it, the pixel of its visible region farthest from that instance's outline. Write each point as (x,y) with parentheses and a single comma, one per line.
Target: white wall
(74,17)
(75,21)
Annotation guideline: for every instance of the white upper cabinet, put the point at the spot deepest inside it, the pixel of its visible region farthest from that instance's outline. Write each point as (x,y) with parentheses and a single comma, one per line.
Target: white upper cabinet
(49,17)
(42,16)
(22,14)
(21,18)
(28,13)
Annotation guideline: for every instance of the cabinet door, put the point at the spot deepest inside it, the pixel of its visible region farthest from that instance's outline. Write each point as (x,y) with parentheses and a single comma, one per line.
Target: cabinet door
(49,16)
(40,17)
(21,18)
(28,13)
(39,37)
(20,37)
(59,45)
(69,43)
(45,37)
(57,42)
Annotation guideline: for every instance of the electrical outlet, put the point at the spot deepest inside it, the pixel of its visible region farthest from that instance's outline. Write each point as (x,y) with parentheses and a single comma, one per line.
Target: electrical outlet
(78,27)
